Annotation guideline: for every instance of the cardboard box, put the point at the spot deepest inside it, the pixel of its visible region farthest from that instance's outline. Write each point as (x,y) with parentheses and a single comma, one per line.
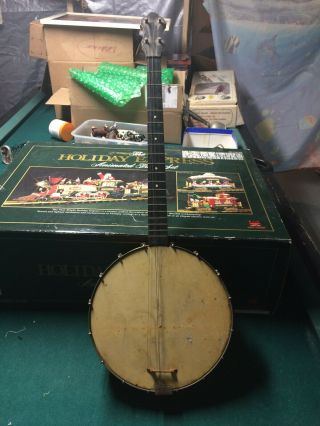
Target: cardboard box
(85,105)
(81,41)
(84,47)
(89,44)
(213,96)
(37,44)
(75,45)
(172,120)
(60,81)
(70,223)
(229,115)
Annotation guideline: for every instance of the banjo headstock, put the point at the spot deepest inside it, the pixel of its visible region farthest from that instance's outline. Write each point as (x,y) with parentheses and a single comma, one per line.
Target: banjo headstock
(152,28)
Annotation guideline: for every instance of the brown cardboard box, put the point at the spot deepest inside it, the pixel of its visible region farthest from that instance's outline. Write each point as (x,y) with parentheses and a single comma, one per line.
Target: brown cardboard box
(85,106)
(88,44)
(84,44)
(37,45)
(59,71)
(82,47)
(60,77)
(213,96)
(229,115)
(85,48)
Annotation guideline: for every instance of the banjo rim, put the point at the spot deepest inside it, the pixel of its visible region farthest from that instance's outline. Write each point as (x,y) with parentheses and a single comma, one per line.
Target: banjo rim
(119,259)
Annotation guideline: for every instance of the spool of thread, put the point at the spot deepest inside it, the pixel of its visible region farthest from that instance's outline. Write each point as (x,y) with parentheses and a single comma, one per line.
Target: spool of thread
(61,130)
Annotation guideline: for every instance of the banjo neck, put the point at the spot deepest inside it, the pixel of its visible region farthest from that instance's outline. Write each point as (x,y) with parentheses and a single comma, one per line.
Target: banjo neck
(153,26)
(157,198)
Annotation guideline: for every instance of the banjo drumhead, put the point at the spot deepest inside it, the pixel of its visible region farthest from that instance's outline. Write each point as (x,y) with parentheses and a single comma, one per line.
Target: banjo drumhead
(160,317)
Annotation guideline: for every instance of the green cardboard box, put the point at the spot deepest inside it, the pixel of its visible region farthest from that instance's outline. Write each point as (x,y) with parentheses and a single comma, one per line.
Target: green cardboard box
(67,211)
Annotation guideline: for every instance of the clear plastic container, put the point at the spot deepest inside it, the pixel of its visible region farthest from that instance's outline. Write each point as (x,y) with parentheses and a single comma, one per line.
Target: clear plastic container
(82,134)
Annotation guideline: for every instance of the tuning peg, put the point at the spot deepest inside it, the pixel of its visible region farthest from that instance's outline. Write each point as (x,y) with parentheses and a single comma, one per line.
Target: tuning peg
(162,21)
(144,21)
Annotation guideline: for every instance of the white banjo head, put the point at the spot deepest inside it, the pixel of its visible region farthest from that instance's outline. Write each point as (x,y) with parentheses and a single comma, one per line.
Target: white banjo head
(160,318)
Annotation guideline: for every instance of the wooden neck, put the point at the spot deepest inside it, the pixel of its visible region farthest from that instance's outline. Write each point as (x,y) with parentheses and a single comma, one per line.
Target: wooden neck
(157,192)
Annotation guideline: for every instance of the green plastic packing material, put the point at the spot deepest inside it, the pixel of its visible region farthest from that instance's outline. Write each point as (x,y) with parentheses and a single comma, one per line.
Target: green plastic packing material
(139,72)
(115,83)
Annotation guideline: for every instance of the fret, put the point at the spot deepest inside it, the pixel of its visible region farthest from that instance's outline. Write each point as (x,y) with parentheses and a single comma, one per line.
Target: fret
(155,185)
(158,232)
(158,194)
(163,218)
(158,202)
(156,182)
(158,220)
(161,214)
(160,122)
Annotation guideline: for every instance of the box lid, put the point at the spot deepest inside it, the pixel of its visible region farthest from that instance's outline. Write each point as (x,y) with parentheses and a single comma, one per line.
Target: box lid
(213,88)
(37,45)
(95,20)
(60,97)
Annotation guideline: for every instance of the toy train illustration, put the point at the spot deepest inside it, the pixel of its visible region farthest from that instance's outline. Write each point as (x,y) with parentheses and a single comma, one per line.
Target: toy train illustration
(105,187)
(219,201)
(208,181)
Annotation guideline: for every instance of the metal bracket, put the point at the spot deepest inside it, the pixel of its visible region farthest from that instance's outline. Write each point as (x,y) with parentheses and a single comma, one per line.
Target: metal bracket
(6,154)
(161,386)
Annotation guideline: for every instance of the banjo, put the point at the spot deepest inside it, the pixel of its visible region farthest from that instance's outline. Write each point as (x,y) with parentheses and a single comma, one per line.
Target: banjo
(160,317)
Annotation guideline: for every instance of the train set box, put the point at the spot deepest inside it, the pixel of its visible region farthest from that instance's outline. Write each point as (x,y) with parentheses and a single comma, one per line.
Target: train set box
(66,212)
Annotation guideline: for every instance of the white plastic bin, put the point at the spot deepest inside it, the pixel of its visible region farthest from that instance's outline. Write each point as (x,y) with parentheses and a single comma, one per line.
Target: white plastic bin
(209,138)
(82,134)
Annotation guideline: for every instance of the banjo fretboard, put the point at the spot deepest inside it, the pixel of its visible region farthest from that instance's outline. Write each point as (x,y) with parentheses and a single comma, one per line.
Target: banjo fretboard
(157,192)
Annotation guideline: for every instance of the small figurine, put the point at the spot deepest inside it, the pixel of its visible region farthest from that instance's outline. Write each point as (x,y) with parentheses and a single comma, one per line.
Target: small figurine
(100,132)
(113,132)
